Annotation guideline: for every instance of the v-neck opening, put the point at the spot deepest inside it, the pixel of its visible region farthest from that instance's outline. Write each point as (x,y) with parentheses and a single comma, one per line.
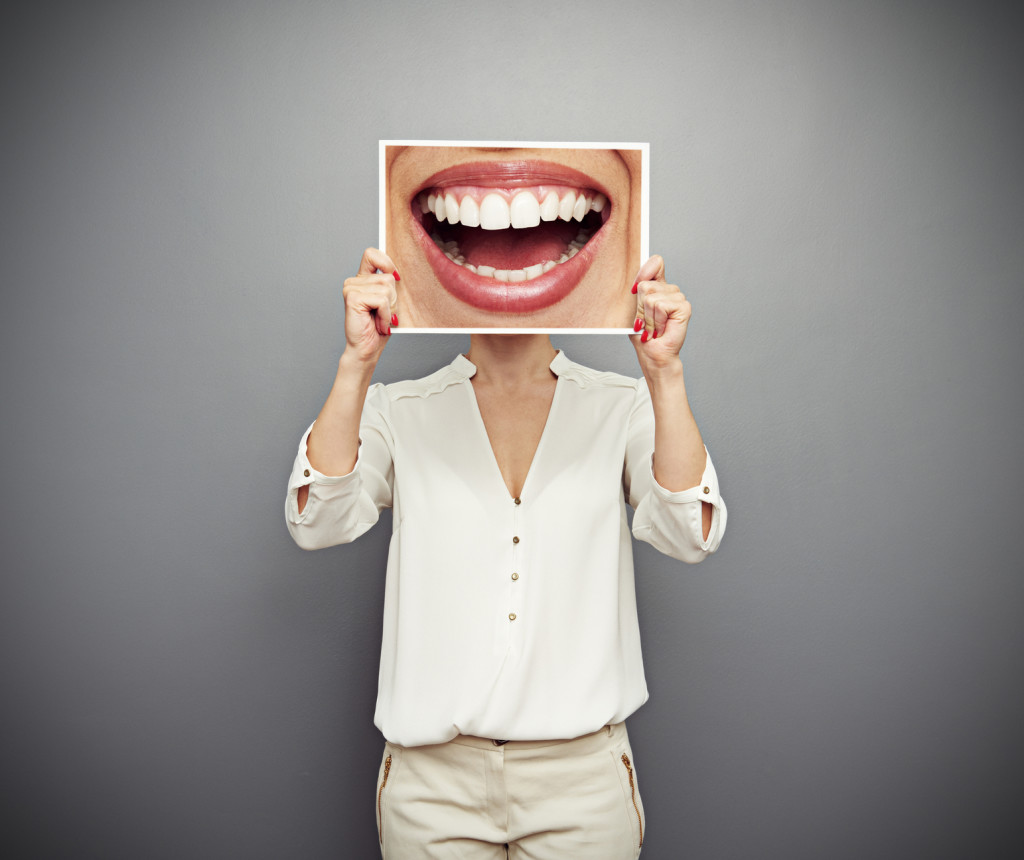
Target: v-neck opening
(471,371)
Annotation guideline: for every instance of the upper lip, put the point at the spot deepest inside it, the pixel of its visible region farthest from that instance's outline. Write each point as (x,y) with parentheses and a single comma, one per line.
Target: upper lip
(511,174)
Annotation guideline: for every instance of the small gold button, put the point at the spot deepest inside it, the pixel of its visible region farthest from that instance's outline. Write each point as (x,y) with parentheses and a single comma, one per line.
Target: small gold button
(519,501)
(707,490)
(511,616)
(515,539)
(515,576)
(305,472)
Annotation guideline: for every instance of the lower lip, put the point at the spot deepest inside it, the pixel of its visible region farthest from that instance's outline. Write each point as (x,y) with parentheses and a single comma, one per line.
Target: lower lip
(520,297)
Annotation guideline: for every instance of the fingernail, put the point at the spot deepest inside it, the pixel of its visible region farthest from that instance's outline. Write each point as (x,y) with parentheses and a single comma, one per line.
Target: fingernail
(397,276)
(389,331)
(635,285)
(394,319)
(643,337)
(653,336)
(638,324)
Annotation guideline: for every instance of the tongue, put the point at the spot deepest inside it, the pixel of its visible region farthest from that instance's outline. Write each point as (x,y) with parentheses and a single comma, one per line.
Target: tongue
(515,249)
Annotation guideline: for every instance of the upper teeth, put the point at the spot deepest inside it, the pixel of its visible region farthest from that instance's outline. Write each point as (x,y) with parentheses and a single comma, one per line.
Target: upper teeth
(497,211)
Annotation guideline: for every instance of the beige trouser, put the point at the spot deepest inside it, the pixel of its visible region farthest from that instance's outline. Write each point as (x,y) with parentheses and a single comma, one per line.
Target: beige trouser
(474,798)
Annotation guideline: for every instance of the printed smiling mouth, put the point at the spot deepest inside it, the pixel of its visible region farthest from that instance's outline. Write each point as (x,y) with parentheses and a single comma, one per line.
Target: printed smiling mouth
(514,234)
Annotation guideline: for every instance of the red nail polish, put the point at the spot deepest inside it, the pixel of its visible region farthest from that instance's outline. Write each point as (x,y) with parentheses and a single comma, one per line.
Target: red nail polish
(389,331)
(638,324)
(653,336)
(635,285)
(397,276)
(643,337)
(394,319)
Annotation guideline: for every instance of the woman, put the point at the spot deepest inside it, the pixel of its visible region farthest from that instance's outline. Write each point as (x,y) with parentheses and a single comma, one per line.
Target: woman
(511,653)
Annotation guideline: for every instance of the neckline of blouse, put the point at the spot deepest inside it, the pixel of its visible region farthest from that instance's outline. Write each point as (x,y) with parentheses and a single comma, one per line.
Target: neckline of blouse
(467,369)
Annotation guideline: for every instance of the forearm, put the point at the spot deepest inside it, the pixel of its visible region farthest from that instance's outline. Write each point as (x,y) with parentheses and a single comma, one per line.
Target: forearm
(333,444)
(679,456)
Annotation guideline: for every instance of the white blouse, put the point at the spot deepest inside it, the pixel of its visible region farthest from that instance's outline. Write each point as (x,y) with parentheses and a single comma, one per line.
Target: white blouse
(506,618)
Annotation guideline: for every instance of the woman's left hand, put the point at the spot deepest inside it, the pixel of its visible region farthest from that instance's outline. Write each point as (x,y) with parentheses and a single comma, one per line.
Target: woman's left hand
(662,316)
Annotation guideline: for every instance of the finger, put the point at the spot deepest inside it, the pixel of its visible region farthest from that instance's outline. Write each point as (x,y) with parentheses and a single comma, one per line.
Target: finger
(371,299)
(393,310)
(660,303)
(383,302)
(660,309)
(641,306)
(376,260)
(388,314)
(650,275)
(655,315)
(358,287)
(647,291)
(652,270)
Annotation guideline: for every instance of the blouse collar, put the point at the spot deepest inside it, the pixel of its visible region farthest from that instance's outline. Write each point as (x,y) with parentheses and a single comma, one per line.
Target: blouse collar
(465,368)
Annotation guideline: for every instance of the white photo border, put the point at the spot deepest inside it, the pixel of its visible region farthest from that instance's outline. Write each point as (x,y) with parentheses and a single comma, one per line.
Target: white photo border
(645,157)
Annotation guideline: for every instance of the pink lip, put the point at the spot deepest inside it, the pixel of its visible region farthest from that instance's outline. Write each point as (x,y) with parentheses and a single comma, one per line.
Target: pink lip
(511,174)
(499,297)
(489,294)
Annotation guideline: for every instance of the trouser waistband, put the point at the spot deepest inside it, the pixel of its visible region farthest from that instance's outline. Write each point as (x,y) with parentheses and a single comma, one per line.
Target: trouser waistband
(579,744)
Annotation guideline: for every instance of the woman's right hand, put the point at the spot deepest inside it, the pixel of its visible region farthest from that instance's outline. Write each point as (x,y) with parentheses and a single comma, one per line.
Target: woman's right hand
(371,306)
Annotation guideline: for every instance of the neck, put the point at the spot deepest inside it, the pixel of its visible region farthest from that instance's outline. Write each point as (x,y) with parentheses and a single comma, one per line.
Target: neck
(510,357)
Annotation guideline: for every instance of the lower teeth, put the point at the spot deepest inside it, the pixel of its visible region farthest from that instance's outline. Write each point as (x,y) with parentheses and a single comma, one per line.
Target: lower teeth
(451,250)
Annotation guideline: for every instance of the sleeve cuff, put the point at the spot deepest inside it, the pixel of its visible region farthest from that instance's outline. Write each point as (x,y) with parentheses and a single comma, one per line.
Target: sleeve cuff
(705,491)
(304,474)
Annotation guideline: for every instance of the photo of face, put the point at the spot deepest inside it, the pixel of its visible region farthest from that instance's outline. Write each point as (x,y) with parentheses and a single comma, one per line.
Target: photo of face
(524,236)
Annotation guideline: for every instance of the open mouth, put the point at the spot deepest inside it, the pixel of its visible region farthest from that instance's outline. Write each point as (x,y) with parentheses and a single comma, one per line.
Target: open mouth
(510,237)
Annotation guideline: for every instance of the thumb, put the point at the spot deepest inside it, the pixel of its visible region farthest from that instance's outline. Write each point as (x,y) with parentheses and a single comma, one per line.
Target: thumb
(652,270)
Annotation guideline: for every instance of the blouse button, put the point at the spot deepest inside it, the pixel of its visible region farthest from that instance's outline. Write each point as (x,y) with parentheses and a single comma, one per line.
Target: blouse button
(515,576)
(511,616)
(519,501)
(305,472)
(515,539)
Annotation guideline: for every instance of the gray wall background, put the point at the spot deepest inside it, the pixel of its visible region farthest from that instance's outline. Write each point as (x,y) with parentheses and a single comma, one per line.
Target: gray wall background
(836,186)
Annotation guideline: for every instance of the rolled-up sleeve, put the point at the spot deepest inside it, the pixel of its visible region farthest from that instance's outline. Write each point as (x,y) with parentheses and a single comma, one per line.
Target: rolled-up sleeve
(672,522)
(341,508)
